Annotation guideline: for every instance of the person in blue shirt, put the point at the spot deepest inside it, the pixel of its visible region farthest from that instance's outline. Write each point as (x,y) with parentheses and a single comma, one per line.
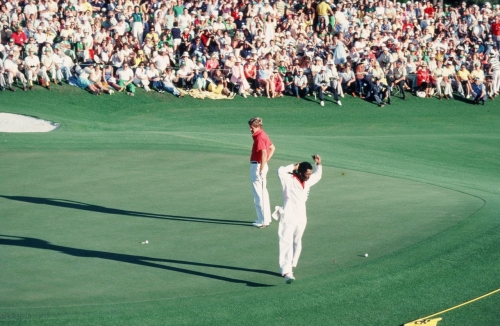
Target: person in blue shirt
(479,90)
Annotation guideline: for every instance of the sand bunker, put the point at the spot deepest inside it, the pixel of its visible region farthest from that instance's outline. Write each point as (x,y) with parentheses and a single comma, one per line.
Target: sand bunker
(20,123)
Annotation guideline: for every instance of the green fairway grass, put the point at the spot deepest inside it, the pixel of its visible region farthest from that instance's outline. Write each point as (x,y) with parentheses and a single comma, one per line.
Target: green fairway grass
(415,185)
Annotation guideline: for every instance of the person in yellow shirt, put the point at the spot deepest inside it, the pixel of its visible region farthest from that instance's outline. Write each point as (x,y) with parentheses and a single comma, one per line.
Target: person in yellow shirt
(440,54)
(323,9)
(477,72)
(464,77)
(85,6)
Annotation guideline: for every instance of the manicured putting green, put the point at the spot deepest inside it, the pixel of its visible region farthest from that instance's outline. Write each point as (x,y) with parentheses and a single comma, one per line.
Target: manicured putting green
(95,208)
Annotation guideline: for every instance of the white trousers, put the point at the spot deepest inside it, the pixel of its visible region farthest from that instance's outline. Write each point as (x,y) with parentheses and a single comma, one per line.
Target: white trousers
(139,82)
(31,75)
(290,245)
(52,72)
(447,87)
(18,74)
(496,80)
(138,31)
(260,194)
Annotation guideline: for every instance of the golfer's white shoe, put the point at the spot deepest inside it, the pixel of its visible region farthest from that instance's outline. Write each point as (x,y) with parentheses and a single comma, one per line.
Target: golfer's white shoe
(259,225)
(289,278)
(277,213)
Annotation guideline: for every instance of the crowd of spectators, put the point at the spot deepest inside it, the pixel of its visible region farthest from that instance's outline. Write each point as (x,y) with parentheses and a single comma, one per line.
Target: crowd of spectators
(363,48)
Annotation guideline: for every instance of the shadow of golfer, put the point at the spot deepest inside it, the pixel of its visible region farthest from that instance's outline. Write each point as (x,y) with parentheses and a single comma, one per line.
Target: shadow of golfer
(8,240)
(107,210)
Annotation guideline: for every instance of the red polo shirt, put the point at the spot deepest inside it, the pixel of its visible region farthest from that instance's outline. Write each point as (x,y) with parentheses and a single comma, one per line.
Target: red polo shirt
(260,141)
(495,28)
(19,38)
(429,11)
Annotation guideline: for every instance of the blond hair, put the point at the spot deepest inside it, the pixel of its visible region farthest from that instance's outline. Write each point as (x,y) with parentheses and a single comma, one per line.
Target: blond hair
(255,122)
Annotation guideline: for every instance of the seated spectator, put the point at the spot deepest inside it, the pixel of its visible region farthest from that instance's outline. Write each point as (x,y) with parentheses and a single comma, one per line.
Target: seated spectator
(32,66)
(84,82)
(423,79)
(279,87)
(301,84)
(378,92)
(288,83)
(212,63)
(125,77)
(169,80)
(464,79)
(321,84)
(185,76)
(334,84)
(141,78)
(11,67)
(238,78)
(95,77)
(399,78)
(479,91)
(348,80)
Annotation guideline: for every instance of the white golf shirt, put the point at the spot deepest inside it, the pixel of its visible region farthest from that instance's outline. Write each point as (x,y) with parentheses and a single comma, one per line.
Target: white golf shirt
(295,193)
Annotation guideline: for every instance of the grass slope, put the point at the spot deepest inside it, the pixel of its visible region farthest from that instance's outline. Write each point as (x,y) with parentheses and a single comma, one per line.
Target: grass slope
(414,184)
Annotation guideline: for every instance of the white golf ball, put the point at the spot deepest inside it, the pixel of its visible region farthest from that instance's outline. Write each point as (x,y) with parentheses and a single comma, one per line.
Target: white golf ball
(366,255)
(148,242)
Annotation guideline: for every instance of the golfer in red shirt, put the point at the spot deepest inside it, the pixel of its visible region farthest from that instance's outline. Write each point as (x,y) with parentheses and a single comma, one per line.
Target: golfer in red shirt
(262,151)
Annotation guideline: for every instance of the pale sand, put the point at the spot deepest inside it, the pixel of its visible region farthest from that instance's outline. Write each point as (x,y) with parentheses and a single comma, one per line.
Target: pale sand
(20,123)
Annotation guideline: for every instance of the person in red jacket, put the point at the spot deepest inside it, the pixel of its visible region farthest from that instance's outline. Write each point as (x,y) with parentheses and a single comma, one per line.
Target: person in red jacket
(19,37)
(424,79)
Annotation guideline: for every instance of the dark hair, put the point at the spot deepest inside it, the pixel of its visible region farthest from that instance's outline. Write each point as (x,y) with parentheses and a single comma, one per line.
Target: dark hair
(304,166)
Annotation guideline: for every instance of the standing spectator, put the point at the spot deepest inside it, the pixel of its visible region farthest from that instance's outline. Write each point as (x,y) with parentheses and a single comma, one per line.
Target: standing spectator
(137,22)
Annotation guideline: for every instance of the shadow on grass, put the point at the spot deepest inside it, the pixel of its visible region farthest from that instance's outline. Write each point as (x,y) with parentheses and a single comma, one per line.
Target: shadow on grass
(7,240)
(107,210)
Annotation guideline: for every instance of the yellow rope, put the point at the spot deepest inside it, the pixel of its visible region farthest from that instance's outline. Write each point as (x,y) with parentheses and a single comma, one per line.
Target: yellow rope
(460,305)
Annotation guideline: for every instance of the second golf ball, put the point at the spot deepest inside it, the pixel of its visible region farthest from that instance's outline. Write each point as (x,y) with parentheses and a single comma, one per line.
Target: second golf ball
(366,255)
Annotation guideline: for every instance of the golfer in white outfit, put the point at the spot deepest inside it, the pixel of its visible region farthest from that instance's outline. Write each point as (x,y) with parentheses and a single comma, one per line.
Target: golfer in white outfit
(296,181)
